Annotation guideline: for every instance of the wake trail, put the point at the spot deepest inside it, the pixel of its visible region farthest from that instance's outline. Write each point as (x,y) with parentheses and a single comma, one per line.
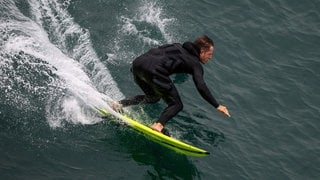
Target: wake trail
(81,75)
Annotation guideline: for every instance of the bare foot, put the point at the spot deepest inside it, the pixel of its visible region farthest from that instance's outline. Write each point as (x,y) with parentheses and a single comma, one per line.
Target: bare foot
(116,106)
(157,127)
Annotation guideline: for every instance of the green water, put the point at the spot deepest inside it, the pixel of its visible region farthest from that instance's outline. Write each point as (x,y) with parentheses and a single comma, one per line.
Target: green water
(58,59)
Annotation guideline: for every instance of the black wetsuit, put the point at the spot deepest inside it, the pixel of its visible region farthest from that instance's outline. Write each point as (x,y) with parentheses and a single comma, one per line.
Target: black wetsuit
(151,72)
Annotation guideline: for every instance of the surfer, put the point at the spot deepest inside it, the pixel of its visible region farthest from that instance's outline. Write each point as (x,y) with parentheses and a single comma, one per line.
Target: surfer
(151,73)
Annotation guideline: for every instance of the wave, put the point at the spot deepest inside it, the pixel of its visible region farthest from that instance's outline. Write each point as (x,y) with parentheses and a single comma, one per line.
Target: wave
(49,62)
(48,55)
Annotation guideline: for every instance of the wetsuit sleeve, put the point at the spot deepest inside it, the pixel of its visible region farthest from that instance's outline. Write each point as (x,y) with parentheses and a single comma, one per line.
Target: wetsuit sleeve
(202,87)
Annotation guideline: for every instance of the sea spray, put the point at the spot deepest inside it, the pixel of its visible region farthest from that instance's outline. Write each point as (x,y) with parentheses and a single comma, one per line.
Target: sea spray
(66,78)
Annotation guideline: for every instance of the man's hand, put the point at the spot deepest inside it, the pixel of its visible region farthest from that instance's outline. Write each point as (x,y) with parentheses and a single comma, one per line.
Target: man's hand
(224,110)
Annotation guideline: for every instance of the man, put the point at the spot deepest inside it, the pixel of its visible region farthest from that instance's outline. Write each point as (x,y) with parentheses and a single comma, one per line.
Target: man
(151,72)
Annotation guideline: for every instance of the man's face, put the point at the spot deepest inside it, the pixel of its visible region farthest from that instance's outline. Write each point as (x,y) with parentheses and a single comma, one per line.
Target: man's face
(206,55)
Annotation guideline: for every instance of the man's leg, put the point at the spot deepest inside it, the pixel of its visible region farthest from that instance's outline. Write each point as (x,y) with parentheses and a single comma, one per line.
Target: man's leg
(175,105)
(150,95)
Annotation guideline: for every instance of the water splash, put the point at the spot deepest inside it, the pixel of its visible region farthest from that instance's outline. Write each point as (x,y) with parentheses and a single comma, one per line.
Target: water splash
(75,76)
(144,27)
(73,41)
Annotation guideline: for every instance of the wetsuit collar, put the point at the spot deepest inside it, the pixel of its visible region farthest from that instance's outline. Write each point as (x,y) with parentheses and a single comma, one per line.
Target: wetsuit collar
(192,48)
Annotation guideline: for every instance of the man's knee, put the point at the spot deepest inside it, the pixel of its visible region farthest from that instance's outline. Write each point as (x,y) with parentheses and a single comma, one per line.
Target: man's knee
(179,106)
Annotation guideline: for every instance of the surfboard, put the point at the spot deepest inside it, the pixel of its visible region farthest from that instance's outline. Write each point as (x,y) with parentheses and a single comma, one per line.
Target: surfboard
(166,141)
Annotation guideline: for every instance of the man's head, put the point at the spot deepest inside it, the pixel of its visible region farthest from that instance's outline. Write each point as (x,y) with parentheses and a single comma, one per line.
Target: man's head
(206,46)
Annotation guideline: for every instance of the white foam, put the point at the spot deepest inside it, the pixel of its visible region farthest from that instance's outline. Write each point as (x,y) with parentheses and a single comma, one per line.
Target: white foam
(149,26)
(82,73)
(151,13)
(32,39)
(63,26)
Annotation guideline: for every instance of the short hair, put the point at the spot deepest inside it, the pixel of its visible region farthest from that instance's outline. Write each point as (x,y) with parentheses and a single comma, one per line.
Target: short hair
(204,42)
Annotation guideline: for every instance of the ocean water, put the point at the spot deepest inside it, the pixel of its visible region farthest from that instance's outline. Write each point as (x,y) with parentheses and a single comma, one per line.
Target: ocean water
(59,59)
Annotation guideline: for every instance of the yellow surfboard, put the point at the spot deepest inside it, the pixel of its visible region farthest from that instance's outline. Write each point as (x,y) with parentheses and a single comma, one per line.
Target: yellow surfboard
(166,141)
